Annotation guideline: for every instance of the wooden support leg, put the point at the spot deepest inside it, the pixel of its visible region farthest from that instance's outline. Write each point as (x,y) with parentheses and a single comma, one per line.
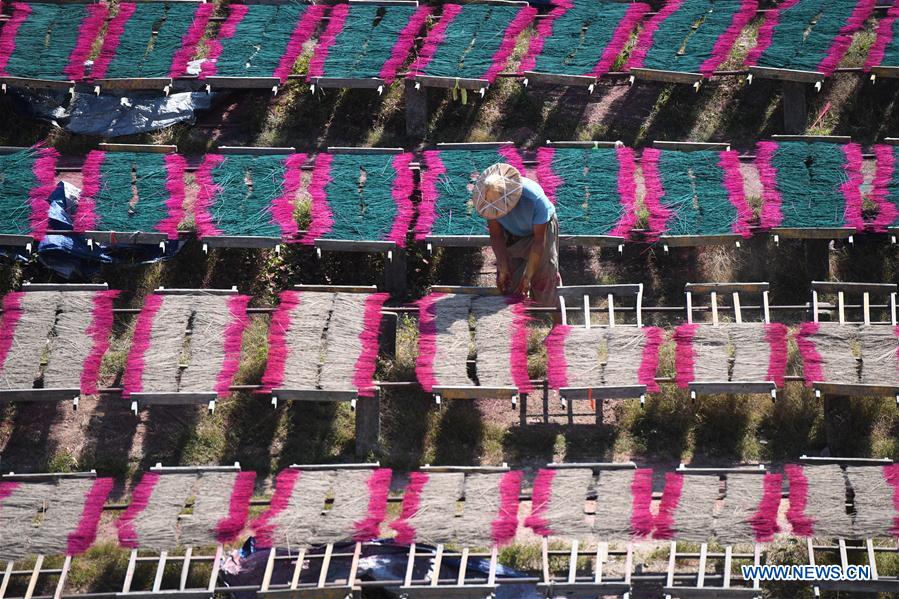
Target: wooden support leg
(463,567)
(395,273)
(129,572)
(326,565)
(410,565)
(368,424)
(160,570)
(416,110)
(216,566)
(35,574)
(523,410)
(817,259)
(837,423)
(545,402)
(185,568)
(297,569)
(794,106)
(438,561)
(387,339)
(7,575)
(269,569)
(544,558)
(672,562)
(61,583)
(354,565)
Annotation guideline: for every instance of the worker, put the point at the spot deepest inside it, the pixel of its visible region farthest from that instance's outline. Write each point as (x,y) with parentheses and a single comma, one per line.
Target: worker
(524,233)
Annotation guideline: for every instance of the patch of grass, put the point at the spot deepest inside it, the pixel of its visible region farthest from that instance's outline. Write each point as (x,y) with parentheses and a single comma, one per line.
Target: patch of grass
(62,461)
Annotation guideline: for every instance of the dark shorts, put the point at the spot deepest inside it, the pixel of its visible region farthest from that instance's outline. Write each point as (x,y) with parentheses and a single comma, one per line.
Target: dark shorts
(547,278)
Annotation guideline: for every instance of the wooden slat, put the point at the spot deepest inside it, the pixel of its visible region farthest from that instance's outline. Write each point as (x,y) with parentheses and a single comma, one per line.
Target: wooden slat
(354,245)
(63,577)
(216,565)
(175,291)
(559,78)
(324,395)
(621,392)
(690,146)
(348,82)
(813,233)
(757,287)
(185,568)
(129,572)
(887,72)
(697,240)
(7,575)
(218,82)
(142,148)
(833,139)
(133,83)
(269,569)
(666,76)
(362,151)
(255,150)
(459,241)
(748,387)
(126,237)
(297,569)
(337,288)
(64,287)
(450,82)
(435,569)
(465,289)
(172,399)
(590,240)
(29,83)
(857,389)
(584,144)
(241,241)
(786,74)
(475,392)
(385,2)
(34,395)
(160,570)
(326,565)
(599,291)
(35,574)
(836,286)
(463,566)
(474,145)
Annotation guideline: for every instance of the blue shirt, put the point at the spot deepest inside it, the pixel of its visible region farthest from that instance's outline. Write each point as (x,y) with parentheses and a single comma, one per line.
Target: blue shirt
(533,208)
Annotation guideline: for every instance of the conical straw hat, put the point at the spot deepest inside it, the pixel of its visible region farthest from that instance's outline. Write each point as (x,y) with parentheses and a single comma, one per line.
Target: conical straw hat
(497,190)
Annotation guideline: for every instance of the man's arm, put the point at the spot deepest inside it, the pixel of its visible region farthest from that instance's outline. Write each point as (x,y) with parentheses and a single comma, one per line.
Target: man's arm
(534,259)
(498,243)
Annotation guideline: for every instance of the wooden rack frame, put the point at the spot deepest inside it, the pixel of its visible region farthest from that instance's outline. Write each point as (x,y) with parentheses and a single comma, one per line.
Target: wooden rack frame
(699,585)
(50,394)
(669,241)
(843,548)
(586,294)
(37,571)
(735,289)
(841,290)
(599,583)
(474,391)
(180,398)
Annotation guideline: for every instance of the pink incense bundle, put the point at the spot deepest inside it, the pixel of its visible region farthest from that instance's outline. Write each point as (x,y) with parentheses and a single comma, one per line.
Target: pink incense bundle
(297,514)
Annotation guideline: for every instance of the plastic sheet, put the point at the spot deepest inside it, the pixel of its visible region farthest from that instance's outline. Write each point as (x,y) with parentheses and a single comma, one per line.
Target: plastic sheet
(109,114)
